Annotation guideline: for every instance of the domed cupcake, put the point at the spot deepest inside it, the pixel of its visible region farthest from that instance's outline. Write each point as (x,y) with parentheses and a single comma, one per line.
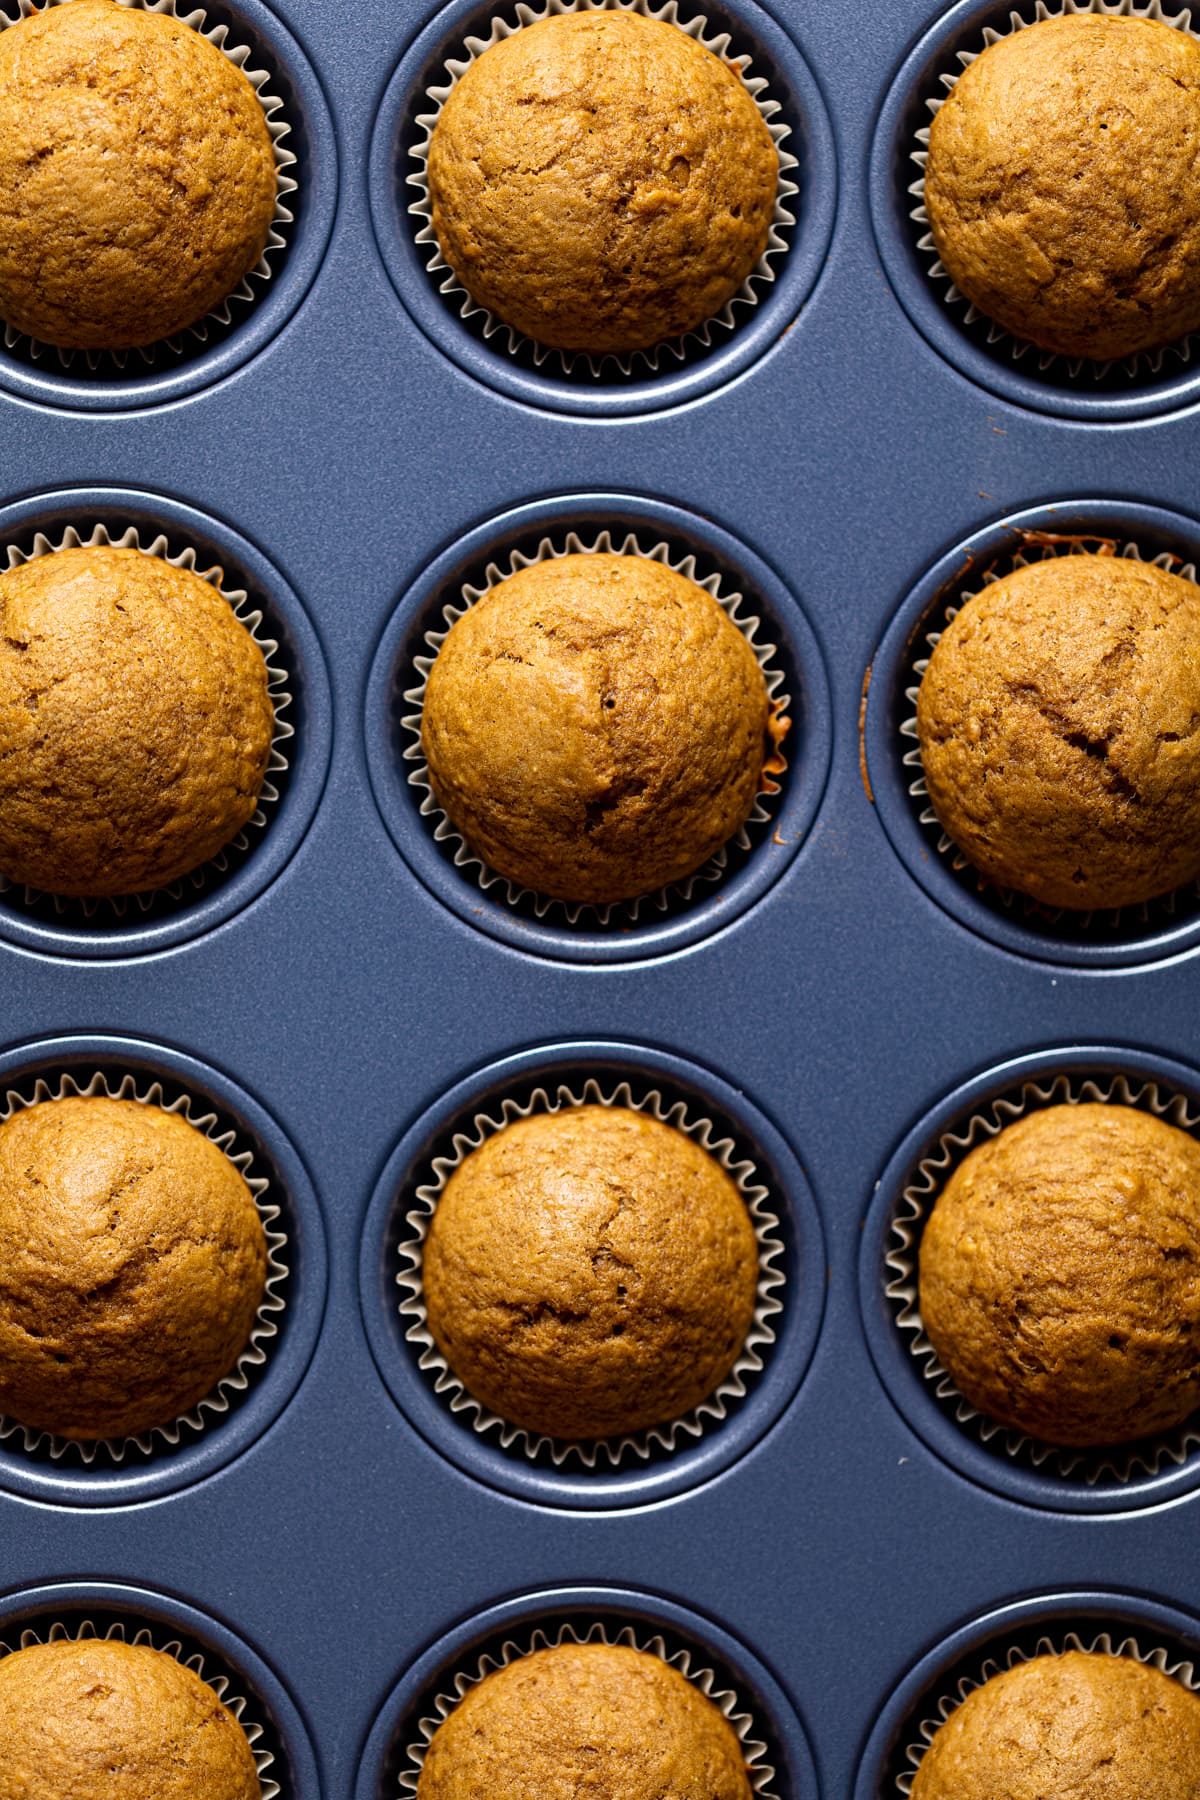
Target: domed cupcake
(596,727)
(1079,1724)
(135,721)
(1060,1275)
(601,182)
(1059,725)
(93,1718)
(1060,184)
(613,1722)
(134,1263)
(590,1272)
(137,175)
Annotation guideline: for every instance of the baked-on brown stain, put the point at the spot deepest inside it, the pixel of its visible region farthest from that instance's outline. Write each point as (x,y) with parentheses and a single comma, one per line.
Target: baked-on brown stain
(609,1722)
(137,177)
(1060,1275)
(1059,724)
(596,727)
(132,1263)
(97,1719)
(1061,184)
(1080,1726)
(590,1272)
(601,181)
(135,722)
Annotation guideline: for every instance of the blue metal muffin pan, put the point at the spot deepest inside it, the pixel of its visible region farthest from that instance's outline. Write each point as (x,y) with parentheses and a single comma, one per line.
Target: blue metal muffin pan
(348,448)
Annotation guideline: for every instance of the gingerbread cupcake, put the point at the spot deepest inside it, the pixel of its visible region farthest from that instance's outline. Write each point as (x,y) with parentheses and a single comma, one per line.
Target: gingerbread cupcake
(601,182)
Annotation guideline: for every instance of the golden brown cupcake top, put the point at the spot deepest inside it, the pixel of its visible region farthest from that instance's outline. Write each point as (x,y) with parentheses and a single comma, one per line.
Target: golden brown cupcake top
(1060,1275)
(135,722)
(1059,724)
(1061,184)
(133,1262)
(590,1272)
(137,176)
(611,1722)
(1079,1727)
(95,1718)
(601,181)
(596,727)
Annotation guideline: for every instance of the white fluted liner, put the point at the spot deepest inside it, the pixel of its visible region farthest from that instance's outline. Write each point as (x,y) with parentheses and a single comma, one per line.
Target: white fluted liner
(1145,362)
(278,689)
(637,1445)
(158,1638)
(285,185)
(1040,548)
(265,1330)
(1054,1643)
(638,363)
(523,1643)
(676,893)
(1120,1462)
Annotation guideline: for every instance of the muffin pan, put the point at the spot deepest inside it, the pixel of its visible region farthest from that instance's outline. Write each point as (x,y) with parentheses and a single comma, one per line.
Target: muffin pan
(841,1547)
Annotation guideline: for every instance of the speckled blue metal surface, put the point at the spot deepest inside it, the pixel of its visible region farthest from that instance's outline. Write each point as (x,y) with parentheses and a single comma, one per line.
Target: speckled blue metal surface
(352,434)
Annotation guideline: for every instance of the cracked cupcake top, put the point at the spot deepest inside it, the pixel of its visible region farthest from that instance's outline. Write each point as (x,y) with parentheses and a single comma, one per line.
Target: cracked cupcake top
(1060,1275)
(590,1272)
(1080,1726)
(137,175)
(605,1720)
(1059,724)
(601,181)
(1061,184)
(595,727)
(96,1717)
(135,722)
(133,1261)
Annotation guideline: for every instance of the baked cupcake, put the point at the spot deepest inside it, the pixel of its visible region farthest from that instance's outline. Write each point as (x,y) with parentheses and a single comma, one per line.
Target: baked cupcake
(1059,725)
(137,175)
(590,1273)
(134,1262)
(1079,1724)
(1061,188)
(135,722)
(596,726)
(601,182)
(93,1718)
(1060,1275)
(615,1723)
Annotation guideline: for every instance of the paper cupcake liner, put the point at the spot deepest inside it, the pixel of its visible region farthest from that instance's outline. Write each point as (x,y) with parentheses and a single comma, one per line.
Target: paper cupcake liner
(638,363)
(760,1772)
(215,1404)
(1118,1463)
(1053,1642)
(1144,362)
(158,1638)
(641,1445)
(85,911)
(676,894)
(1038,546)
(109,362)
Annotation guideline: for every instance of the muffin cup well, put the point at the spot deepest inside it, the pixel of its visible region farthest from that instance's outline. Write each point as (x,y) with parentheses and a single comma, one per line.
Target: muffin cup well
(84,911)
(158,1638)
(676,894)
(102,362)
(1117,1464)
(1140,1648)
(638,1445)
(523,1642)
(214,1405)
(1130,369)
(638,364)
(1036,546)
